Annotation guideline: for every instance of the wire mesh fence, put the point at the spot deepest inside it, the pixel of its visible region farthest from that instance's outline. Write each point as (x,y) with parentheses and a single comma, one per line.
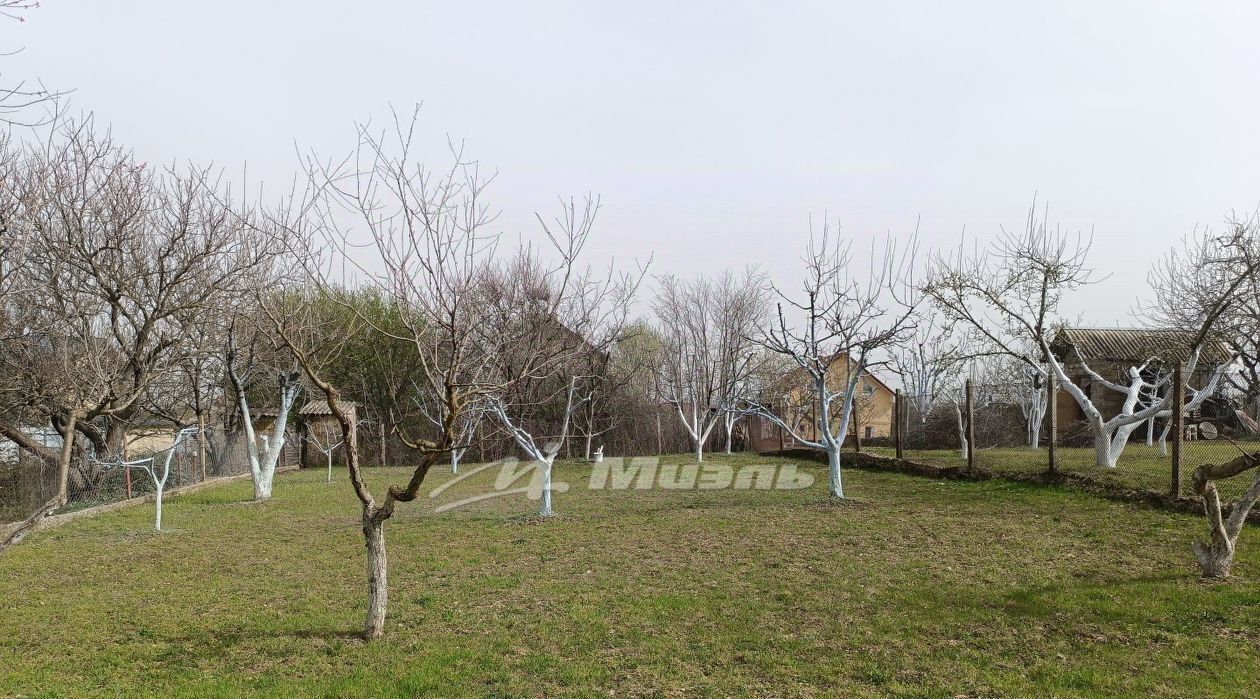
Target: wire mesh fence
(1010,431)
(27,481)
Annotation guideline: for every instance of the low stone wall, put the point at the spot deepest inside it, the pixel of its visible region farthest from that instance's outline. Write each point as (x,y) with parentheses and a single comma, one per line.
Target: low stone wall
(1076,481)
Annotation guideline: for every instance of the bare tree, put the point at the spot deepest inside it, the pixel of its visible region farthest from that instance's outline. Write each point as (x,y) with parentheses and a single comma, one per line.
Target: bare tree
(741,310)
(242,364)
(540,321)
(708,358)
(18,100)
(114,255)
(1216,556)
(1008,294)
(426,252)
(847,326)
(690,371)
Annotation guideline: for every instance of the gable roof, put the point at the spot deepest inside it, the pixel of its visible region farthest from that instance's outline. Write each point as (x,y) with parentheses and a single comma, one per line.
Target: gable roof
(1135,345)
(848,363)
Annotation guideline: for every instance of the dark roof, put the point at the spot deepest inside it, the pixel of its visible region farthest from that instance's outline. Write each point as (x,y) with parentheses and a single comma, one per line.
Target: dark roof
(320,407)
(1136,345)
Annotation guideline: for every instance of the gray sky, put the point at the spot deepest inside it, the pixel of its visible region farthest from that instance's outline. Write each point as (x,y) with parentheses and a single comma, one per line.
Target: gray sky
(713,130)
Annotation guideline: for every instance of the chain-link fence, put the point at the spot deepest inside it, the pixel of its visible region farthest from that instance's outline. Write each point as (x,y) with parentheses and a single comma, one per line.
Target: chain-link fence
(27,481)
(1002,429)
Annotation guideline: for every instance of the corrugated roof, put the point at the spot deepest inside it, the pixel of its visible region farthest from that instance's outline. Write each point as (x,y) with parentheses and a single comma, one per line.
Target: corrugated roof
(1136,345)
(320,407)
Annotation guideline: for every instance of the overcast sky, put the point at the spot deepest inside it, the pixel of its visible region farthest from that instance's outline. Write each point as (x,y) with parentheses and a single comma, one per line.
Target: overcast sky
(713,130)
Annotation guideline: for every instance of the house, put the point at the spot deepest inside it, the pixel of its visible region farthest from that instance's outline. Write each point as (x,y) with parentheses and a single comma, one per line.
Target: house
(1111,352)
(794,401)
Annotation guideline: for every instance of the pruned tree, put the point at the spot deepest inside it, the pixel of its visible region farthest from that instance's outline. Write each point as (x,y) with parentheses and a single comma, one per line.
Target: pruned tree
(742,310)
(1216,556)
(243,364)
(158,474)
(426,251)
(846,324)
(1008,294)
(541,320)
(707,355)
(325,438)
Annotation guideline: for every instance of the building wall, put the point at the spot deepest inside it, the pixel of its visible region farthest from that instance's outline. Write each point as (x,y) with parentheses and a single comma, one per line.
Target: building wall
(1107,401)
(874,415)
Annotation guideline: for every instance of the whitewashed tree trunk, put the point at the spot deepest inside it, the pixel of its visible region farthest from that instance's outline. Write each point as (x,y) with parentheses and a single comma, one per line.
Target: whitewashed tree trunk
(546,457)
(1111,436)
(263,466)
(545,510)
(1036,415)
(699,427)
(964,447)
(157,500)
(835,482)
(827,440)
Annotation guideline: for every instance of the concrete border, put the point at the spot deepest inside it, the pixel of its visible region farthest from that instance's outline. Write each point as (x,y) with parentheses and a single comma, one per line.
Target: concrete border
(56,520)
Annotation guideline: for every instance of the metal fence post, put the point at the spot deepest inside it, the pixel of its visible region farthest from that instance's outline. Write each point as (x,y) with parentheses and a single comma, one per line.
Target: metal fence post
(971,430)
(1052,390)
(897,408)
(1178,430)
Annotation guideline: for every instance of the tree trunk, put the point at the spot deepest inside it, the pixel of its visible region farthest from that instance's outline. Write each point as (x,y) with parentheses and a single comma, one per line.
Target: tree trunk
(16,533)
(262,484)
(963,447)
(834,483)
(589,438)
(545,510)
(1215,558)
(378,577)
(1102,449)
(699,449)
(201,444)
(157,500)
(384,462)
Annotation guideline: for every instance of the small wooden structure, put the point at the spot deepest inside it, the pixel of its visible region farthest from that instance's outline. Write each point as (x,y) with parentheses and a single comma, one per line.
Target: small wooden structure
(1112,351)
(320,427)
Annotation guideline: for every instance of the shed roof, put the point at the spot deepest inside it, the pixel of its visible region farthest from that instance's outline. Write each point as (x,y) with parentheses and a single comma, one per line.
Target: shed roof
(1136,345)
(320,407)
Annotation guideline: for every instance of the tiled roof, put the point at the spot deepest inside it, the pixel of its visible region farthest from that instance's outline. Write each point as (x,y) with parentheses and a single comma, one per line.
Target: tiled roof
(320,407)
(1136,345)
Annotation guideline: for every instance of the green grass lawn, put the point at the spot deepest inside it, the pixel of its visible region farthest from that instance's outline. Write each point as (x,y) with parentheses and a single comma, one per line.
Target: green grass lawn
(914,588)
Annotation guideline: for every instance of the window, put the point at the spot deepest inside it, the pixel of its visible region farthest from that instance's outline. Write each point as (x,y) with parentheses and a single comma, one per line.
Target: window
(868,432)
